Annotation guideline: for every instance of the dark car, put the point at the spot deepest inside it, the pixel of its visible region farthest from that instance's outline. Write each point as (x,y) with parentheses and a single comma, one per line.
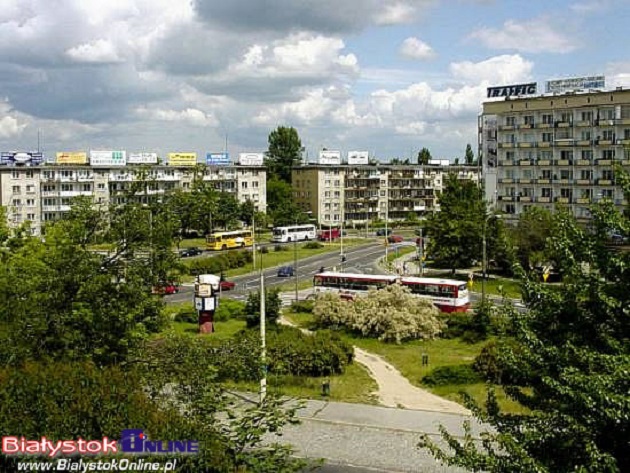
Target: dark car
(190,252)
(285,271)
(395,238)
(383,232)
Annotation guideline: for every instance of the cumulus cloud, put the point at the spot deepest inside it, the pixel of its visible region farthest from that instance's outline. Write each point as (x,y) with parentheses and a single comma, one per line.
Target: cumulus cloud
(618,74)
(100,51)
(10,127)
(416,49)
(539,35)
(395,13)
(505,69)
(191,116)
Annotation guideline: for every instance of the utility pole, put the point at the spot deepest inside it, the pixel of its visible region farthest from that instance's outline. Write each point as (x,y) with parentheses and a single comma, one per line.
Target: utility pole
(295,266)
(421,253)
(386,219)
(343,257)
(254,240)
(263,348)
(483,259)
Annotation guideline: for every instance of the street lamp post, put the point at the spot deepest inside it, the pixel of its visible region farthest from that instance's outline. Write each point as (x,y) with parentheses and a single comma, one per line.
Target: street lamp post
(263,347)
(295,267)
(483,259)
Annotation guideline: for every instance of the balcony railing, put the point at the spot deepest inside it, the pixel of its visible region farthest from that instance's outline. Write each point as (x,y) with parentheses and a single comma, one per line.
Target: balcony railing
(584,182)
(544,200)
(544,162)
(604,182)
(562,200)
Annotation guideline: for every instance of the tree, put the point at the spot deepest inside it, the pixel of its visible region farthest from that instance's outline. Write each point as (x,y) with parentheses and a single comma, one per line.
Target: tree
(530,236)
(469,156)
(273,304)
(456,232)
(424,156)
(391,314)
(247,211)
(227,212)
(284,152)
(280,205)
(4,227)
(566,361)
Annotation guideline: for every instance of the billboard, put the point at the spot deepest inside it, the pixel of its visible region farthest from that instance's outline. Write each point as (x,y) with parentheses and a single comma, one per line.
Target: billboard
(72,157)
(358,157)
(330,157)
(251,159)
(575,83)
(218,159)
(182,159)
(108,158)
(512,90)
(142,158)
(12,158)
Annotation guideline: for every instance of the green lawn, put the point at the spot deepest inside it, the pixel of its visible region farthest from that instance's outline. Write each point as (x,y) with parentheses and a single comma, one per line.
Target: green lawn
(223,330)
(397,253)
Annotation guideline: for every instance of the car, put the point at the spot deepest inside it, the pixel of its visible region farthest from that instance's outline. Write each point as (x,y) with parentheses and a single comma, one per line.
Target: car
(383,232)
(190,252)
(618,239)
(227,285)
(165,289)
(395,238)
(285,271)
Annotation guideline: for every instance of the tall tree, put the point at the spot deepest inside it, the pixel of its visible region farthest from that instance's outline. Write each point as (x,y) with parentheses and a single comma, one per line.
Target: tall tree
(280,205)
(567,362)
(424,156)
(456,232)
(530,236)
(469,156)
(285,151)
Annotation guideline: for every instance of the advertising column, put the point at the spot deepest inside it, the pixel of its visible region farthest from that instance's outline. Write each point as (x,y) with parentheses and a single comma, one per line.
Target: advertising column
(206,301)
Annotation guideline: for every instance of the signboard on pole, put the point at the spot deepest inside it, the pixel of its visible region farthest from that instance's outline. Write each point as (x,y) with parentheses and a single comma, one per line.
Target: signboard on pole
(251,159)
(218,159)
(358,157)
(108,158)
(142,158)
(330,157)
(182,159)
(575,83)
(512,90)
(12,158)
(72,157)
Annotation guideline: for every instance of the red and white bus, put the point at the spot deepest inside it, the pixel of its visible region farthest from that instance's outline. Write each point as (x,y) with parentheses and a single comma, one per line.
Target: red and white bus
(329,235)
(349,285)
(449,295)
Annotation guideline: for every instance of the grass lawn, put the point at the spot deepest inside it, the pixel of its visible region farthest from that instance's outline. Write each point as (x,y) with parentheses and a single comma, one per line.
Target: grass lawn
(402,251)
(223,330)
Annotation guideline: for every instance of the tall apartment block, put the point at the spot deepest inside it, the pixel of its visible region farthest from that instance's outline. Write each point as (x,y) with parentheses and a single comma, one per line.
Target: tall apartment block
(555,150)
(43,193)
(359,194)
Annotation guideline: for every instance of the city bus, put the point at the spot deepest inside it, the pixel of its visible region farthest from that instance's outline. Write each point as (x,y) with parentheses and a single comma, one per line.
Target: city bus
(350,285)
(329,235)
(227,240)
(449,295)
(294,233)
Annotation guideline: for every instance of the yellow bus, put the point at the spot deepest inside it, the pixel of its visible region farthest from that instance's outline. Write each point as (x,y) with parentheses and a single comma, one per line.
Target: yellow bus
(227,240)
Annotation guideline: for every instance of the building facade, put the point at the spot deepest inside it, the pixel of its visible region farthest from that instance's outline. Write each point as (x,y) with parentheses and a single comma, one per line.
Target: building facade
(360,194)
(555,150)
(43,193)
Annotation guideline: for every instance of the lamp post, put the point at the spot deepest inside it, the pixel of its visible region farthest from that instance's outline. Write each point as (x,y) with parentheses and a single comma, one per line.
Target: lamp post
(263,347)
(295,267)
(484,257)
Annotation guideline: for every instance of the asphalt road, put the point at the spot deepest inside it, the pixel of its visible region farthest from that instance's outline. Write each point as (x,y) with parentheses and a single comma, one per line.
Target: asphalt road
(359,259)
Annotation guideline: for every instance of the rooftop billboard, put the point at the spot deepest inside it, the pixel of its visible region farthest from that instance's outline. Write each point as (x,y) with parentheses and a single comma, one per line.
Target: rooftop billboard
(358,157)
(182,159)
(72,157)
(142,158)
(251,159)
(218,159)
(12,158)
(330,157)
(512,90)
(575,83)
(108,158)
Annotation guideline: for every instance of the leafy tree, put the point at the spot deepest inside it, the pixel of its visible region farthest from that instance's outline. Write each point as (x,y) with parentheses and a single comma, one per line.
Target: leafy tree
(533,229)
(4,227)
(456,232)
(273,304)
(469,156)
(280,205)
(284,152)
(247,211)
(567,362)
(399,161)
(227,212)
(392,314)
(424,156)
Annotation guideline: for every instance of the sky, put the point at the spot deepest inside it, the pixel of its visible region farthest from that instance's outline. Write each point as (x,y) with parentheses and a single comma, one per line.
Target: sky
(386,76)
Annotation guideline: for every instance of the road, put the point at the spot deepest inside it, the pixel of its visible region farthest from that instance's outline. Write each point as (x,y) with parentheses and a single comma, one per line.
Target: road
(359,259)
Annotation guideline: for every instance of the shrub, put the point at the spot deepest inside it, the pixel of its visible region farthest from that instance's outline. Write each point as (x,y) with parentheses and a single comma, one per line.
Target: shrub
(188,315)
(458,374)
(216,264)
(279,248)
(302,306)
(456,325)
(313,245)
(229,309)
(264,250)
(272,307)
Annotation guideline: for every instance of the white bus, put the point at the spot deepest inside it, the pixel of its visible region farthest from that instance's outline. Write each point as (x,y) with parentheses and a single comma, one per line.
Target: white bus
(294,233)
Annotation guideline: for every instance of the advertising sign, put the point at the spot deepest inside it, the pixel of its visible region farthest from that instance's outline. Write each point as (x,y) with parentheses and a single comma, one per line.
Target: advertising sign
(108,158)
(330,157)
(358,157)
(182,159)
(512,90)
(72,157)
(251,159)
(575,83)
(12,158)
(142,158)
(218,159)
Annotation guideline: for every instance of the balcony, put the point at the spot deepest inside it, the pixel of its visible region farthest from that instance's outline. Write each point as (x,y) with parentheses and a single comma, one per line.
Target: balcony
(506,127)
(544,200)
(544,162)
(525,181)
(604,142)
(583,200)
(506,198)
(584,142)
(604,162)
(544,125)
(563,124)
(544,181)
(564,182)
(506,162)
(584,123)
(543,144)
(583,162)
(526,144)
(563,162)
(525,162)
(506,180)
(584,182)
(562,200)
(605,122)
(604,182)
(506,145)
(525,198)
(565,142)
(625,142)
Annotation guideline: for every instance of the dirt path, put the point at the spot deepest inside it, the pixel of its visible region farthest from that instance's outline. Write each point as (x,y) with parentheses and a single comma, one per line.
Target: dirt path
(394,390)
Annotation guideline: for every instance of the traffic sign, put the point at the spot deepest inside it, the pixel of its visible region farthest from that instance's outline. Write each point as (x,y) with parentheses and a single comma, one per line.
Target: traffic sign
(470,284)
(545,276)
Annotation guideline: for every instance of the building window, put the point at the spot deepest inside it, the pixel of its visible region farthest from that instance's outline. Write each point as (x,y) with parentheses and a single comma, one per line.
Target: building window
(586,135)
(528,120)
(510,121)
(546,192)
(16,189)
(586,174)
(30,217)
(566,155)
(101,186)
(66,187)
(244,185)
(566,193)
(587,154)
(566,174)
(255,184)
(607,175)
(30,202)
(29,174)
(608,154)
(607,193)
(547,137)
(16,202)
(547,119)
(587,116)
(608,134)
(87,187)
(15,174)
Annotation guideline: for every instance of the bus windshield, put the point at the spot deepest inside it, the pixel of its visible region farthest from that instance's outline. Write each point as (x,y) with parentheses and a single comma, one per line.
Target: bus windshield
(279,231)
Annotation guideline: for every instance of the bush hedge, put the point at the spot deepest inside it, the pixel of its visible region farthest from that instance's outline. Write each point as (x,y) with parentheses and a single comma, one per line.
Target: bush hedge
(312,245)
(457,374)
(218,263)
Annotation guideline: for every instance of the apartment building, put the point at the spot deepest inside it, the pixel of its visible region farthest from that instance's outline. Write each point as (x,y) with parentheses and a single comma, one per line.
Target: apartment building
(555,150)
(44,192)
(356,194)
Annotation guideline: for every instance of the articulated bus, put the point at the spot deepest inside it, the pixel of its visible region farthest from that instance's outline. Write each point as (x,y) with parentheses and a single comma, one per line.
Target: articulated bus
(448,295)
(228,240)
(294,233)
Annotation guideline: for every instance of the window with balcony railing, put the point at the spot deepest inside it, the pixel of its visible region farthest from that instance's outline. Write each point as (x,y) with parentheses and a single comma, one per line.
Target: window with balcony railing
(587,154)
(547,119)
(608,154)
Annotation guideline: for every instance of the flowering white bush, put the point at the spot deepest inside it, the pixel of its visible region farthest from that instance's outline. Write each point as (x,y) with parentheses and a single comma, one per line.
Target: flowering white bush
(390,314)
